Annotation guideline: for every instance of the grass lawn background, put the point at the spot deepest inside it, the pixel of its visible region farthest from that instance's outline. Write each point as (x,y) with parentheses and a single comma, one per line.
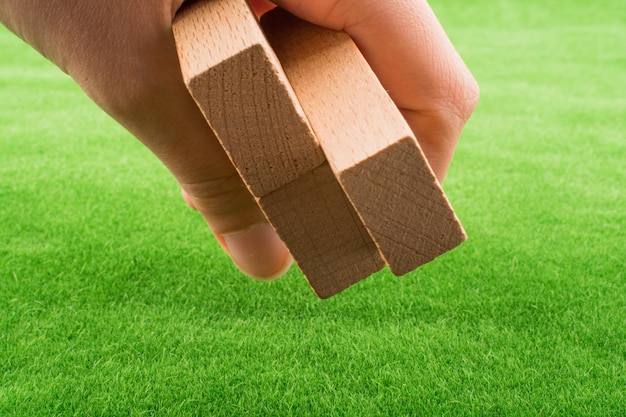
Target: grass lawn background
(115,299)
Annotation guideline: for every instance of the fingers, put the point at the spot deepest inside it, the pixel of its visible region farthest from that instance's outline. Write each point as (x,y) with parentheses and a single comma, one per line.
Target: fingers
(415,61)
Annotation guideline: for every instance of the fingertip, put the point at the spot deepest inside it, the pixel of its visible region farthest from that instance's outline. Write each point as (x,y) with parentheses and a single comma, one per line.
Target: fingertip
(258,252)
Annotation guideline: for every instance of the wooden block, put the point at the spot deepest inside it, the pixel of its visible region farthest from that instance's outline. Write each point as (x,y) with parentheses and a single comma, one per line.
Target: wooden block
(332,247)
(237,81)
(368,144)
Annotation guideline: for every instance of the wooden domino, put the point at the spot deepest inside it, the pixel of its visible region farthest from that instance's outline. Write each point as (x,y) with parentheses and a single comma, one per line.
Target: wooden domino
(315,137)
(236,80)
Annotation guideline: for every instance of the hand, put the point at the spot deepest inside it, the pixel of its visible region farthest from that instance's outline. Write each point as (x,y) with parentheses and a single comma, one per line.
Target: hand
(122,54)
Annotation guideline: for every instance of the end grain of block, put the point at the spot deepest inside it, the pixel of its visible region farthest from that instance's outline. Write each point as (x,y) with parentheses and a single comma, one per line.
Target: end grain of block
(324,234)
(368,144)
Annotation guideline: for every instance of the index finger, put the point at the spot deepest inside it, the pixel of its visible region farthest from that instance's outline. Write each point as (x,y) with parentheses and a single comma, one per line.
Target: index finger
(411,54)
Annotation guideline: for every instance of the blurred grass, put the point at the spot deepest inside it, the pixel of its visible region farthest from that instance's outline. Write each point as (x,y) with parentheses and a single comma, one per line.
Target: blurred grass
(115,300)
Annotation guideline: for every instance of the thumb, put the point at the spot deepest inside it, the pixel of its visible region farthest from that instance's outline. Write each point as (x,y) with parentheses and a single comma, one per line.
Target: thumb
(161,113)
(239,226)
(211,186)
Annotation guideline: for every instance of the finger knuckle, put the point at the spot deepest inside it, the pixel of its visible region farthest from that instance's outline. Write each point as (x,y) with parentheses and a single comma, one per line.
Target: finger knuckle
(220,193)
(462,96)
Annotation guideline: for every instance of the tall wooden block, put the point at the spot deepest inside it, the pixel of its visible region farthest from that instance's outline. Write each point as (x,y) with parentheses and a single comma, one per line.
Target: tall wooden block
(368,144)
(236,80)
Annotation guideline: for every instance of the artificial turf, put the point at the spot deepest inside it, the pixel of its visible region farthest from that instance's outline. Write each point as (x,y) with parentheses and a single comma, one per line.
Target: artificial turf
(115,299)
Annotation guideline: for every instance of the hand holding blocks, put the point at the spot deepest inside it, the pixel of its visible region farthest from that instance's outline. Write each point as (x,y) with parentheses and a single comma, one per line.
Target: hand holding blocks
(317,140)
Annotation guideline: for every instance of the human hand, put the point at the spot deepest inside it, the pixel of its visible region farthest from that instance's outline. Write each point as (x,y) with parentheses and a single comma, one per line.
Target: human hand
(123,56)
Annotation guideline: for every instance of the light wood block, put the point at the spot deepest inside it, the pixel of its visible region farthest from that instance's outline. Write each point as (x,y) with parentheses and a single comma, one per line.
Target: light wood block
(236,80)
(238,83)
(368,144)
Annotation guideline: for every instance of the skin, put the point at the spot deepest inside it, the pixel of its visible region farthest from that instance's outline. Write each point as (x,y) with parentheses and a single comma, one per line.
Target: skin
(122,54)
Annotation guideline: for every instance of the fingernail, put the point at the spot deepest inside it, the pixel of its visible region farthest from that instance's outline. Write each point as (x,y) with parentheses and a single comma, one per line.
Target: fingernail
(258,252)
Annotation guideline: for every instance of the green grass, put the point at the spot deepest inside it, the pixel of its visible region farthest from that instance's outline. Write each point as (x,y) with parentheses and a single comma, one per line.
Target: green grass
(115,300)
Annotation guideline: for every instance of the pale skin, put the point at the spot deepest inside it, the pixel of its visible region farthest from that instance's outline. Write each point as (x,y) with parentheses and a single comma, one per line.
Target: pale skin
(122,55)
